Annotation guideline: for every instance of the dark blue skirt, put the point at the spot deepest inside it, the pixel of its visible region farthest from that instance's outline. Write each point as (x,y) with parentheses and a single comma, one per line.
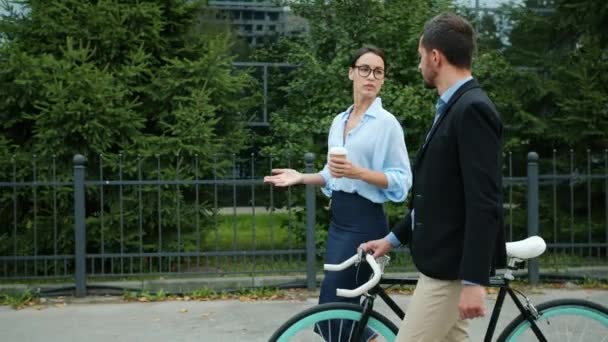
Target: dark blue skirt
(354,220)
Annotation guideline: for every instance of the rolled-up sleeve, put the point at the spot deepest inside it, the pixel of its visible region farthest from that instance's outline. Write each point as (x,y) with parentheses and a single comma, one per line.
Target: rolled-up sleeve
(399,183)
(396,165)
(326,189)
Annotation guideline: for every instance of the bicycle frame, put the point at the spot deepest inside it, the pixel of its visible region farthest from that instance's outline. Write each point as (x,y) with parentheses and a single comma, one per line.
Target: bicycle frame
(529,312)
(518,252)
(368,302)
(496,282)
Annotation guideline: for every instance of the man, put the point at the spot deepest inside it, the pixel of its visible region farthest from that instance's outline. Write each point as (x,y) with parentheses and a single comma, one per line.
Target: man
(454,228)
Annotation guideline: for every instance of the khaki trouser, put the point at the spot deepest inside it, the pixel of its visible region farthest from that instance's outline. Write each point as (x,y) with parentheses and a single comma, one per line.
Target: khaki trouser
(432,315)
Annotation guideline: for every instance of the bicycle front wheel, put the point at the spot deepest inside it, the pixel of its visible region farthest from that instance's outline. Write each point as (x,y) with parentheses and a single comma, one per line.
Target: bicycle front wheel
(562,320)
(336,320)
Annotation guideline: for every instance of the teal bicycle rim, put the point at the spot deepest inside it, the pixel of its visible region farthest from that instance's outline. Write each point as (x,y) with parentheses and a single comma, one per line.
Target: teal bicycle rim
(566,310)
(309,321)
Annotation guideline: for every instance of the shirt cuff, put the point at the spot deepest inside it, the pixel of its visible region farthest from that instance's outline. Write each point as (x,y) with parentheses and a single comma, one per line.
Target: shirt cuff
(466,282)
(392,238)
(326,189)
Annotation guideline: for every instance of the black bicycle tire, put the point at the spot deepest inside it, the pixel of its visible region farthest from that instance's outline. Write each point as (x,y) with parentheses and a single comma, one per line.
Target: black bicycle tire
(327,307)
(515,323)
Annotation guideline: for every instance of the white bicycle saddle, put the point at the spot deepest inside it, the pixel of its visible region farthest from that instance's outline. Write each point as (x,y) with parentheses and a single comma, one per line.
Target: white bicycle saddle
(526,249)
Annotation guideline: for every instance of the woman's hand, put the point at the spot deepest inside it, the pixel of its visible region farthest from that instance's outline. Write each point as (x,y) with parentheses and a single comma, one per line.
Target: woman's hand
(284,177)
(342,167)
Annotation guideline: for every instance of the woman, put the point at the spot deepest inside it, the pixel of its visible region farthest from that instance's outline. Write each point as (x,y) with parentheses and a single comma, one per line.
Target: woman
(376,169)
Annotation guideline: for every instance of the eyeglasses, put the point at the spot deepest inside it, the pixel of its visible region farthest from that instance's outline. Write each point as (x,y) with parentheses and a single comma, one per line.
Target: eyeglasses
(365,70)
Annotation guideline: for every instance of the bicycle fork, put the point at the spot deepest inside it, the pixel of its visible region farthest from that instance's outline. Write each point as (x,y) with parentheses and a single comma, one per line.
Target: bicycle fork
(359,329)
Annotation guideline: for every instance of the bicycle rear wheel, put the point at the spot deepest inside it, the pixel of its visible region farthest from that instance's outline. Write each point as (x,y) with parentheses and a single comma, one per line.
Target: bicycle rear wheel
(562,320)
(342,316)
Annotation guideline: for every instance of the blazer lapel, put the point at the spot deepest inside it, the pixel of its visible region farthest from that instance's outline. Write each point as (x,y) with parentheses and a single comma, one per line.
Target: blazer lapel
(462,90)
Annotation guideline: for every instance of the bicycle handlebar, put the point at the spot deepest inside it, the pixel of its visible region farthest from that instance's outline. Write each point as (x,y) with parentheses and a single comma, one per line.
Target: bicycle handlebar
(525,249)
(375,279)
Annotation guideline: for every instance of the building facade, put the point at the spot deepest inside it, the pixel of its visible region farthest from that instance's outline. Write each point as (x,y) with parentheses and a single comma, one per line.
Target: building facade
(259,20)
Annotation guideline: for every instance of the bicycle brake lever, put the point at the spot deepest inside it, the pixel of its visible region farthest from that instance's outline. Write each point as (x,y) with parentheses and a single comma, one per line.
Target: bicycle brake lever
(359,256)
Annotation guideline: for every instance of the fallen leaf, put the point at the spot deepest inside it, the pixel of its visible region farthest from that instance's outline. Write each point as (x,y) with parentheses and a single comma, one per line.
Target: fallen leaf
(183,310)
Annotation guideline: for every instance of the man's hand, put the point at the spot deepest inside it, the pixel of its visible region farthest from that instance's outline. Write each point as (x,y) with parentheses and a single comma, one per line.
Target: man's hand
(472,302)
(379,247)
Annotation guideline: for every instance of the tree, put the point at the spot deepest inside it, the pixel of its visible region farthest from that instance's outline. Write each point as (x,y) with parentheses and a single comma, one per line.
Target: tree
(131,80)
(559,50)
(108,76)
(563,46)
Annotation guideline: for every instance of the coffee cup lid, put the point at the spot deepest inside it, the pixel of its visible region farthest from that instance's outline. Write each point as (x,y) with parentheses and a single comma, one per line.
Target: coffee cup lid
(337,150)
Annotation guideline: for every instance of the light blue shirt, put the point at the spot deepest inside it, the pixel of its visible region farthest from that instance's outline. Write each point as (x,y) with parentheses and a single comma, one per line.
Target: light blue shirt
(378,144)
(443,100)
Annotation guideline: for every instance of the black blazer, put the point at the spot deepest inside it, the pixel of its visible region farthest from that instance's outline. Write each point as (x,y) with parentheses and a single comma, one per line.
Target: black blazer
(457,193)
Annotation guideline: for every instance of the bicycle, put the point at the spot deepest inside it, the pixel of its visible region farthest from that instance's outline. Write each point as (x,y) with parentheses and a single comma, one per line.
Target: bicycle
(555,320)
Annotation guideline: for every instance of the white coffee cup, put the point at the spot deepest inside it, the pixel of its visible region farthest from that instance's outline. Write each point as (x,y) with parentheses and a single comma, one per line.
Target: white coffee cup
(337,152)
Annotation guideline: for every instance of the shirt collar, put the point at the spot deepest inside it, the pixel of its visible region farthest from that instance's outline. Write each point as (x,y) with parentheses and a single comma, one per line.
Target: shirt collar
(372,111)
(447,95)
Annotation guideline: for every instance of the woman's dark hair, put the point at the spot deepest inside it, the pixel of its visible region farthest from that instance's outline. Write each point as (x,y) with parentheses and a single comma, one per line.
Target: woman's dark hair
(362,51)
(453,36)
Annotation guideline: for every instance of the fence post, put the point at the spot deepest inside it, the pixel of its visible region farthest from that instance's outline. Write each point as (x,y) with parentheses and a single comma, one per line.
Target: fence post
(533,267)
(79,225)
(311,273)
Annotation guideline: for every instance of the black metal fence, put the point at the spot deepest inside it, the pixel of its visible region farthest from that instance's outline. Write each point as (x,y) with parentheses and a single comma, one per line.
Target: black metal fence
(132,224)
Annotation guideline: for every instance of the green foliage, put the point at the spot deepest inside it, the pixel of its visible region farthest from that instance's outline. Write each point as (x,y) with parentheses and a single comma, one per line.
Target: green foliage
(205,294)
(17,300)
(141,88)
(544,69)
(236,232)
(558,101)
(319,88)
(147,90)
(109,76)
(566,48)
(145,296)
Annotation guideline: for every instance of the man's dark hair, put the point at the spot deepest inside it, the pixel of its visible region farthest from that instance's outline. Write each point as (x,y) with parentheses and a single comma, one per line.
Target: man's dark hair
(363,50)
(453,36)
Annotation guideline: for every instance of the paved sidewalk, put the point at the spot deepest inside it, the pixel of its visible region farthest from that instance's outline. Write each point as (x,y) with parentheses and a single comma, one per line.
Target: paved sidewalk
(104,319)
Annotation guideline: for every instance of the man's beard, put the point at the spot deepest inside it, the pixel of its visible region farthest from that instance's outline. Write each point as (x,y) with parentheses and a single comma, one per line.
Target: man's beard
(429,80)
